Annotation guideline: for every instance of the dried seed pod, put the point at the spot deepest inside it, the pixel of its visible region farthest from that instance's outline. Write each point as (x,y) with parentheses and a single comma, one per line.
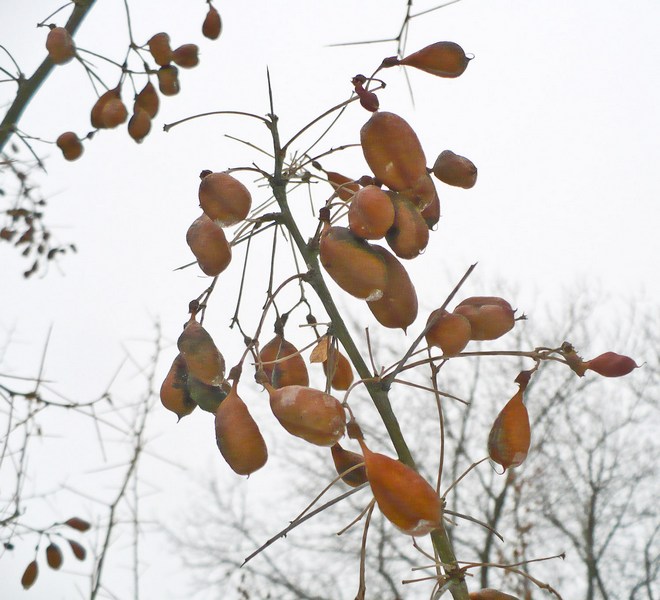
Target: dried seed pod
(224,198)
(352,263)
(60,45)
(342,372)
(611,364)
(310,414)
(212,26)
(371,213)
(491,594)
(78,550)
(186,56)
(397,308)
(54,556)
(78,524)
(291,371)
(203,359)
(403,495)
(30,575)
(510,435)
(168,80)
(344,460)
(174,390)
(209,244)
(345,186)
(444,59)
(139,125)
(490,317)
(455,170)
(237,435)
(449,332)
(409,234)
(70,145)
(109,111)
(431,212)
(147,100)
(368,100)
(160,49)
(207,397)
(393,152)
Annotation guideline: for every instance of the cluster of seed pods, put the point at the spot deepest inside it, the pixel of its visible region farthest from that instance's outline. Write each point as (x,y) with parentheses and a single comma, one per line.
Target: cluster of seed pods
(109,111)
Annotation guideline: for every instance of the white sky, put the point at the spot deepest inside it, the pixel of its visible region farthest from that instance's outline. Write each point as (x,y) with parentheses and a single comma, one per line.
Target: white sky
(559,111)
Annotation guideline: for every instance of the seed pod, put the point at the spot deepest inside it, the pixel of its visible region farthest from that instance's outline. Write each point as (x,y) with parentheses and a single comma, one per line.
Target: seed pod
(212,26)
(368,100)
(509,439)
(431,212)
(109,111)
(209,245)
(78,524)
(344,460)
(611,364)
(490,317)
(78,550)
(455,170)
(444,59)
(70,145)
(397,308)
(168,80)
(310,414)
(371,213)
(291,371)
(54,556)
(224,198)
(207,397)
(203,359)
(147,100)
(174,391)
(403,495)
(490,594)
(30,575)
(409,234)
(352,263)
(393,152)
(450,332)
(186,56)
(160,49)
(238,437)
(60,45)
(345,186)
(342,372)
(139,125)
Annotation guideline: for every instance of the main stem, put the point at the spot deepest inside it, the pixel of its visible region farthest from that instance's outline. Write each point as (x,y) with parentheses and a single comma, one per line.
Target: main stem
(378,393)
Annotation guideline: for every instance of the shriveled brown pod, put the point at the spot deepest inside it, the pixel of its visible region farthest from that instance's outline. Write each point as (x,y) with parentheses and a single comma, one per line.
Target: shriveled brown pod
(345,186)
(160,49)
(238,436)
(397,308)
(70,145)
(444,59)
(207,397)
(60,45)
(291,371)
(450,332)
(168,80)
(370,214)
(490,316)
(209,244)
(186,56)
(344,460)
(352,263)
(147,100)
(212,25)
(455,170)
(109,111)
(224,198)
(139,125)
(203,359)
(409,234)
(174,393)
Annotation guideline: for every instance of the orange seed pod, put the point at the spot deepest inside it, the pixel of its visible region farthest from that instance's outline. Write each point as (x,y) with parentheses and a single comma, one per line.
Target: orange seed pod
(147,100)
(490,317)
(186,56)
(203,359)
(342,372)
(444,59)
(139,125)
(344,460)
(60,45)
(159,47)
(345,186)
(168,80)
(510,436)
(212,26)
(450,332)
(611,364)
(224,198)
(209,244)
(70,145)
(371,213)
(409,234)
(291,371)
(455,170)
(174,394)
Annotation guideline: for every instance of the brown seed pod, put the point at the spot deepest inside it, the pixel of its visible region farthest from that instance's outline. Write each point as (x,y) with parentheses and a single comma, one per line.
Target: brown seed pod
(212,26)
(345,186)
(403,495)
(224,198)
(139,125)
(147,100)
(30,575)
(54,556)
(168,80)
(174,390)
(490,317)
(510,435)
(444,59)
(352,263)
(203,359)
(491,594)
(611,364)
(60,45)
(397,308)
(310,414)
(186,56)
(109,111)
(431,212)
(393,152)
(291,371)
(344,460)
(78,524)
(370,214)
(449,332)
(78,550)
(209,244)
(207,397)
(409,234)
(238,437)
(160,49)
(342,372)
(455,170)
(70,145)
